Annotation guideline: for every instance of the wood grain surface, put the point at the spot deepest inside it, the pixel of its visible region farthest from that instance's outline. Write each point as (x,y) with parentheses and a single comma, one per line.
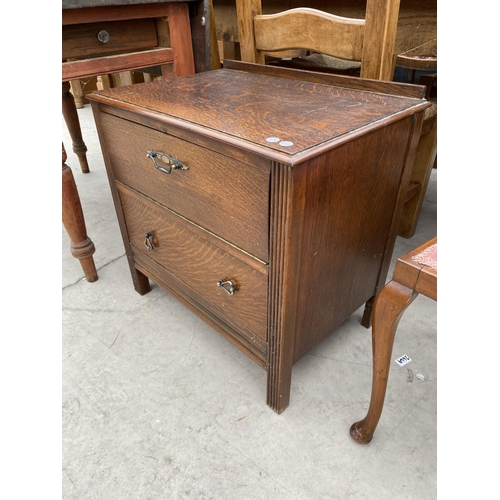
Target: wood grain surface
(211,193)
(197,262)
(346,201)
(254,108)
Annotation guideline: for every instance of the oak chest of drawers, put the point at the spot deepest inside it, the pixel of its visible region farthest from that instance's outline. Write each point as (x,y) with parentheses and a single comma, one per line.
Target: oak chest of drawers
(268,205)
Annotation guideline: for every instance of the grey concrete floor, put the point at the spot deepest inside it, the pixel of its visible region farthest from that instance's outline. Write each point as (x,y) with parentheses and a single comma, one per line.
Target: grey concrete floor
(157,405)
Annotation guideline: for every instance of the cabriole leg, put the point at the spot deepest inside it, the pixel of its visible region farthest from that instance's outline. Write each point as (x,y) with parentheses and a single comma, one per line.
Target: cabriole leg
(390,305)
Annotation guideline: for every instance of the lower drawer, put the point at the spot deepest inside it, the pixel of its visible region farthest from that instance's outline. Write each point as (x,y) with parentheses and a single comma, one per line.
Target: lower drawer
(234,288)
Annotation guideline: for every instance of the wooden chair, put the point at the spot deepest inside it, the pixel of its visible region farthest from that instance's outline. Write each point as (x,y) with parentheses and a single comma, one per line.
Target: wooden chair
(424,58)
(415,273)
(370,40)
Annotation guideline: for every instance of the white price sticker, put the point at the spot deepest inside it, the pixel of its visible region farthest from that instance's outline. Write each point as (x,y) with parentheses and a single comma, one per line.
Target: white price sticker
(403,360)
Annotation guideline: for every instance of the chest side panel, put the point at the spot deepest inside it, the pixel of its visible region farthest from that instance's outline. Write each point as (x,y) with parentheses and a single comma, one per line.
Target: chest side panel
(344,203)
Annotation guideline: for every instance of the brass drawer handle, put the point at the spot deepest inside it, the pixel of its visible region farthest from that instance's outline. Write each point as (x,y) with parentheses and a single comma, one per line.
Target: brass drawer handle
(228,286)
(148,241)
(168,160)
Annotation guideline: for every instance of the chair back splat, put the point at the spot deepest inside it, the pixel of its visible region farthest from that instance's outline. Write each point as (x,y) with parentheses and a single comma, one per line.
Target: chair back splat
(370,41)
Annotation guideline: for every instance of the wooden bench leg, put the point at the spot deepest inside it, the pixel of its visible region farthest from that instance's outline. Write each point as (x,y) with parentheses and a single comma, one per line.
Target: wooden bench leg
(72,122)
(82,247)
(390,305)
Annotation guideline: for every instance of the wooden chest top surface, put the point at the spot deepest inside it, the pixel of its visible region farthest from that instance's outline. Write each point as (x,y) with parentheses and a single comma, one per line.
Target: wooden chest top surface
(283,115)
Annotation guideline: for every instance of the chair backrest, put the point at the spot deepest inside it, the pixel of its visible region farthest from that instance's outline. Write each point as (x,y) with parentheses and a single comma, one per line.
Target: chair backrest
(370,40)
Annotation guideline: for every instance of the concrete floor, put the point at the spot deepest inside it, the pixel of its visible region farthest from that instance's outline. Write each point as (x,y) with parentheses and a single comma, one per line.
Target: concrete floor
(157,405)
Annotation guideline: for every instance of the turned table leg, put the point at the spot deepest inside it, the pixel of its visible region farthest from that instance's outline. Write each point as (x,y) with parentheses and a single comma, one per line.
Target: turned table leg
(390,305)
(72,122)
(82,247)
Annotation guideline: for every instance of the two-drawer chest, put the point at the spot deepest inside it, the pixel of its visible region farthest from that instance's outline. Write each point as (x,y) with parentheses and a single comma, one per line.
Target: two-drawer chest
(268,205)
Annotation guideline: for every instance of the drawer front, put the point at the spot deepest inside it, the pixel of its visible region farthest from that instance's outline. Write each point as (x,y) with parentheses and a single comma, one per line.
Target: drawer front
(111,37)
(223,195)
(197,262)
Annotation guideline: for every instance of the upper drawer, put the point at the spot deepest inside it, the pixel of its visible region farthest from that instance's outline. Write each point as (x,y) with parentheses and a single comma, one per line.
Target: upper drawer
(218,193)
(111,37)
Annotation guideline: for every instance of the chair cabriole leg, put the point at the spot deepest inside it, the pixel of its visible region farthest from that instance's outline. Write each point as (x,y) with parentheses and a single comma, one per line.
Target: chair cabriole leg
(390,305)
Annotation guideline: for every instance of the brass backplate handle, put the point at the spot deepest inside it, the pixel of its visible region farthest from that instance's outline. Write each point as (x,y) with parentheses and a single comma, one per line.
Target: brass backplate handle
(170,162)
(228,286)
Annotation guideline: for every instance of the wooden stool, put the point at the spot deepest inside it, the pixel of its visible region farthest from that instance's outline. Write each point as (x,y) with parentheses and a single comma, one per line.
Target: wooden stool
(415,272)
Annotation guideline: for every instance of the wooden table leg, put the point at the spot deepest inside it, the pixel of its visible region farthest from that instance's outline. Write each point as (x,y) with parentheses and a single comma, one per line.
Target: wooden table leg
(72,122)
(180,38)
(390,305)
(82,247)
